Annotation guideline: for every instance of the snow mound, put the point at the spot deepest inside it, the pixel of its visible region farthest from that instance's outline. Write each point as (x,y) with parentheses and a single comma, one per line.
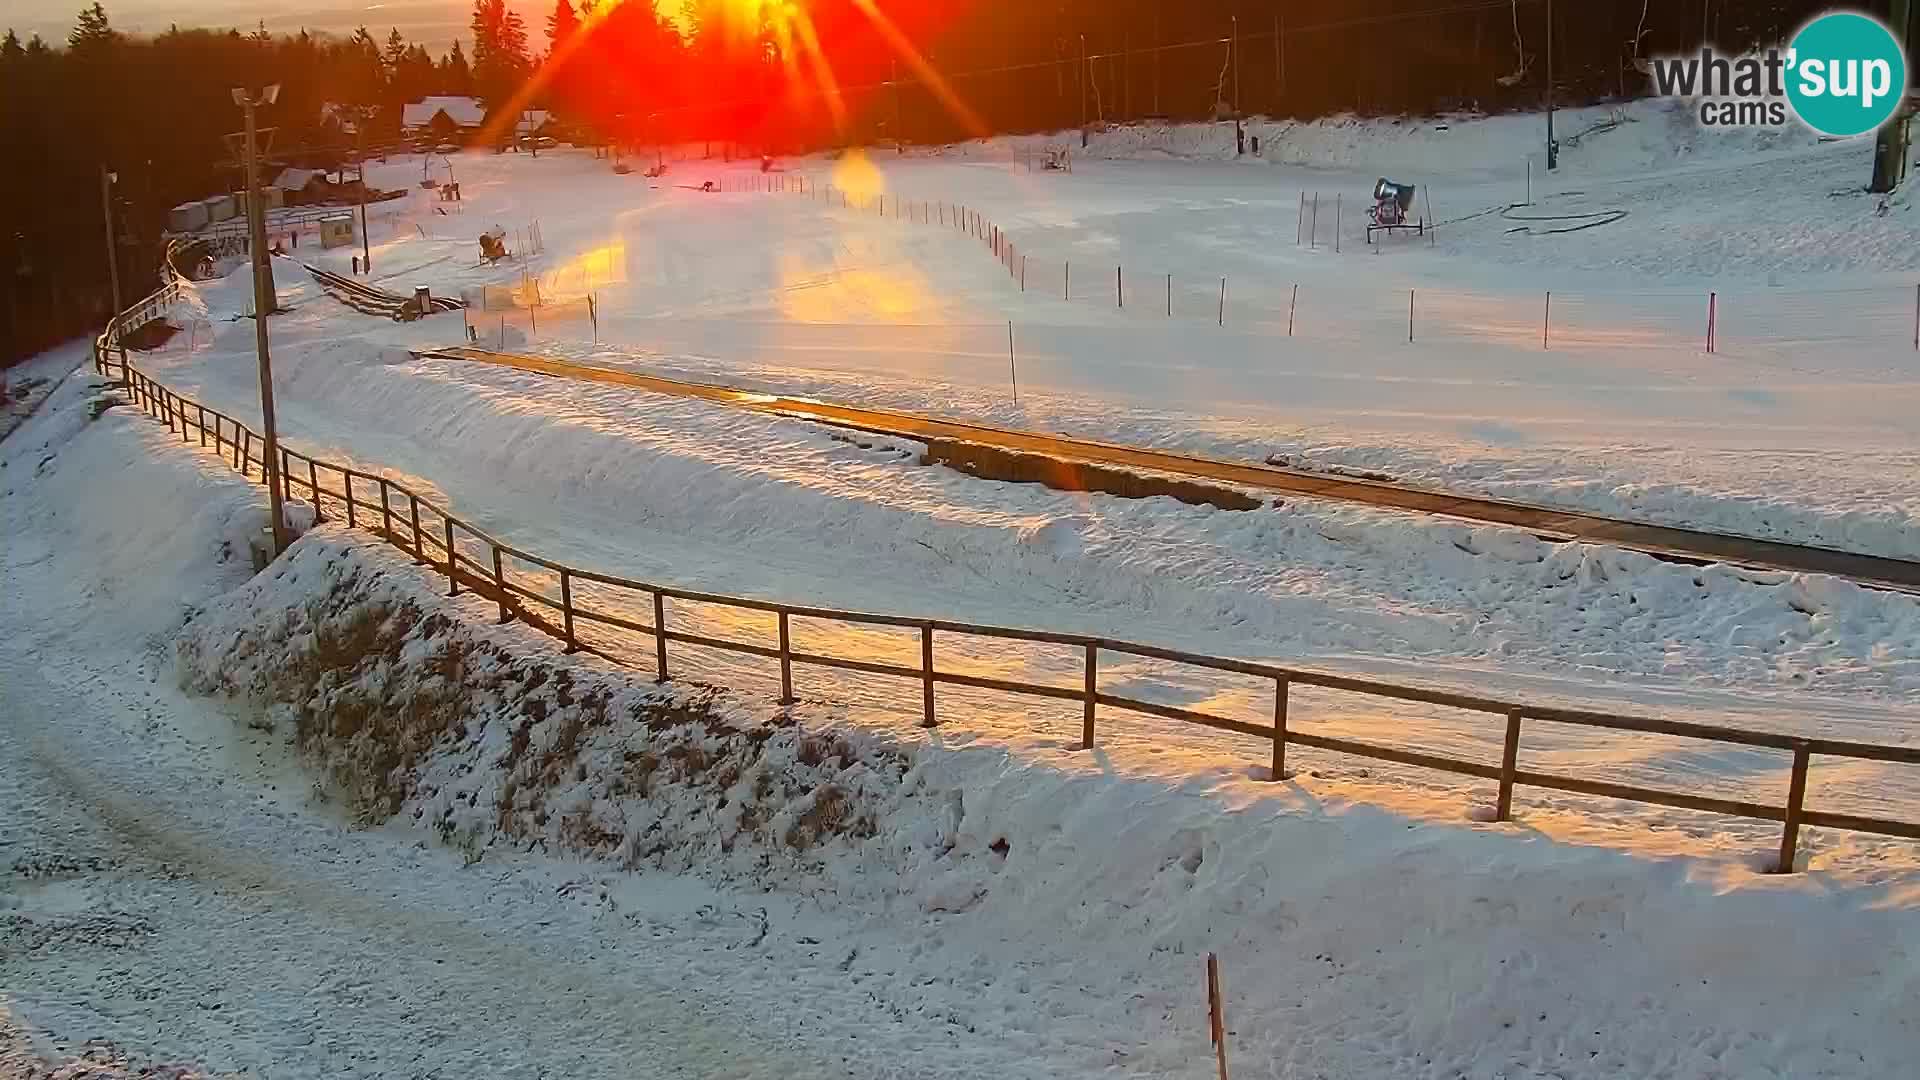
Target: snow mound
(409,710)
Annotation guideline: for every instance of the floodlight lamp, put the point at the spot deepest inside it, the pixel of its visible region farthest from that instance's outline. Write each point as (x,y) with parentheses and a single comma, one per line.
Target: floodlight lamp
(270,95)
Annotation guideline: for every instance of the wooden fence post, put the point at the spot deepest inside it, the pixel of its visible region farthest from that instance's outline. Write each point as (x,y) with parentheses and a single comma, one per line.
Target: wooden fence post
(1291,305)
(346,482)
(566,608)
(1796,798)
(1119,295)
(659,637)
(1223,301)
(1546,319)
(926,675)
(1713,312)
(1280,688)
(500,583)
(1216,1015)
(453,568)
(786,662)
(386,513)
(1509,763)
(1409,315)
(313,485)
(203,425)
(413,512)
(1091,696)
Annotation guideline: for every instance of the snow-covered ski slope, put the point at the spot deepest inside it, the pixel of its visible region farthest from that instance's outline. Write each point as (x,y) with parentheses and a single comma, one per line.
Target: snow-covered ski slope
(1799,426)
(184,888)
(781,292)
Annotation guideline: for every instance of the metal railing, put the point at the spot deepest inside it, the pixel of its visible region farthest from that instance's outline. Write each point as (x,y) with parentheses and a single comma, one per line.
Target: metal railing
(475,561)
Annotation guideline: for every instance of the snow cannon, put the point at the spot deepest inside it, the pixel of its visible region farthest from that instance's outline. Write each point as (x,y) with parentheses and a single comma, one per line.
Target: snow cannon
(1392,203)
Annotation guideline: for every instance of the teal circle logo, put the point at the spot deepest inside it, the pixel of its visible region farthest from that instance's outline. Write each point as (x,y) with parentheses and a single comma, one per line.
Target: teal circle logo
(1845,74)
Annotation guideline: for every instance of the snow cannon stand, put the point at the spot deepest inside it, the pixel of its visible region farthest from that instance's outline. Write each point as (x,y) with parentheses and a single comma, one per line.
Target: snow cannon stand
(493,246)
(1392,202)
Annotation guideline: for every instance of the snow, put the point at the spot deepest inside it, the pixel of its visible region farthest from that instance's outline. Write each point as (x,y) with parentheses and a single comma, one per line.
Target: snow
(327,821)
(1798,427)
(28,383)
(184,888)
(706,498)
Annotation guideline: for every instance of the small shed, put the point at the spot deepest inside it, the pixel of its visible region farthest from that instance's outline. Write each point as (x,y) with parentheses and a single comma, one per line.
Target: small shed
(336,230)
(219,207)
(187,217)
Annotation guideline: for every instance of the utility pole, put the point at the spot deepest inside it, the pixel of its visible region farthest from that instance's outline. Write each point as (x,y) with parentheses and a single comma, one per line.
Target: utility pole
(1156,59)
(106,213)
(1553,146)
(1083,91)
(1894,142)
(366,242)
(1279,64)
(1235,56)
(264,303)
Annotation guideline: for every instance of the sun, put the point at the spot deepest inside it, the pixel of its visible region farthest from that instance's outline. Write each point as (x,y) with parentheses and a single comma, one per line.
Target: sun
(741,18)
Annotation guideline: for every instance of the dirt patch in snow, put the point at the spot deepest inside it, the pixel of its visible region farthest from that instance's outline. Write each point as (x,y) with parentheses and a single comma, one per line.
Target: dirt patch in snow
(1013,466)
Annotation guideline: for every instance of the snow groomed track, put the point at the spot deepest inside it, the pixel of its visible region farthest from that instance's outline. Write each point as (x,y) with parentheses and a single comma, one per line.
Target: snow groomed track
(1661,541)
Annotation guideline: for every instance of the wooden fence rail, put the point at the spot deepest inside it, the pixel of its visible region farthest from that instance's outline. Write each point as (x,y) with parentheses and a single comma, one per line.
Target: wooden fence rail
(435,537)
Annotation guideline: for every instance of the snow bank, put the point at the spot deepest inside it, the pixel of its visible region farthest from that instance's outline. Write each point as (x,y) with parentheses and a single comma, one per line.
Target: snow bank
(1068,908)
(407,707)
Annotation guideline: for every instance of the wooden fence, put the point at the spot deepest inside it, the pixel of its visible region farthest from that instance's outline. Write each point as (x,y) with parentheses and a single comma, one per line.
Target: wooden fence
(477,562)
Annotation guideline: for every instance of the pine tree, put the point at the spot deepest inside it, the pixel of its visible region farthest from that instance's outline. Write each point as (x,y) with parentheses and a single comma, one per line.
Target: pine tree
(500,58)
(455,75)
(93,30)
(396,50)
(562,24)
(10,49)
